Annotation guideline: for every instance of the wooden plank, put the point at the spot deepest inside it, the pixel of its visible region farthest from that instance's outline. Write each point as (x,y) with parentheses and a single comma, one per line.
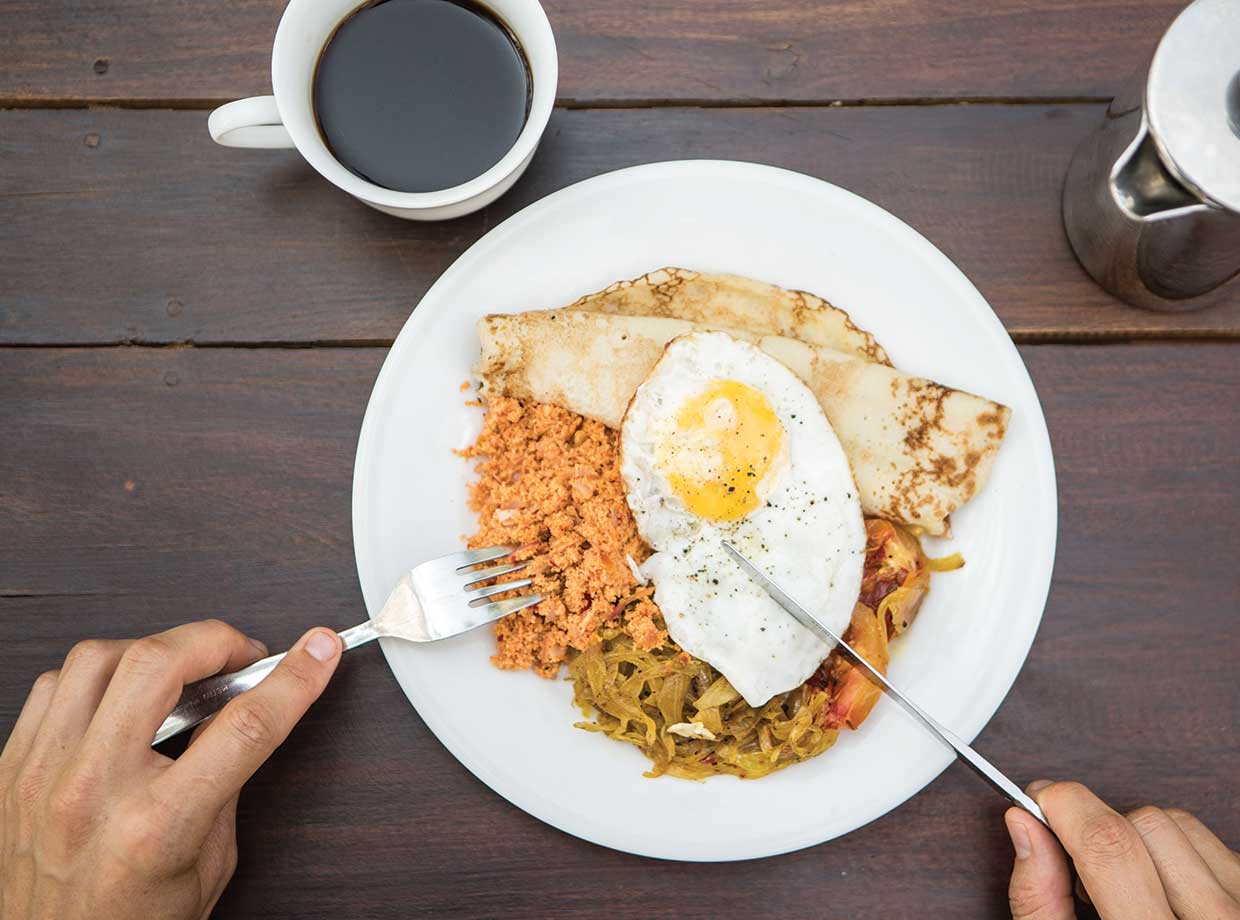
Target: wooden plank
(133,226)
(240,463)
(200,52)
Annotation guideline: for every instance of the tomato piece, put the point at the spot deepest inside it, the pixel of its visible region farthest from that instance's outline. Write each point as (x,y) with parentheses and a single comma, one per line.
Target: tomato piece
(894,582)
(894,563)
(853,694)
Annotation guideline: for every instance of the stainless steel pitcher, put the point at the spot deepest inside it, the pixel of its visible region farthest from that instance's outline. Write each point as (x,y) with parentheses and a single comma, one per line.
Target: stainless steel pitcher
(1151,203)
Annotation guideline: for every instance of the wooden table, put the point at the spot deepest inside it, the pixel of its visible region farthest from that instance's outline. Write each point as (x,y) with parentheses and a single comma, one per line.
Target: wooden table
(188,336)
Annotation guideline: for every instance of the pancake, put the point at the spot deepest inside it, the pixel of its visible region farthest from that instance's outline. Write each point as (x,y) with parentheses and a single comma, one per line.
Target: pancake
(918,450)
(736,303)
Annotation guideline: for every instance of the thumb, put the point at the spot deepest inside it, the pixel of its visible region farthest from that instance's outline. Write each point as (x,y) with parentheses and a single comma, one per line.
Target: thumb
(245,732)
(1041,886)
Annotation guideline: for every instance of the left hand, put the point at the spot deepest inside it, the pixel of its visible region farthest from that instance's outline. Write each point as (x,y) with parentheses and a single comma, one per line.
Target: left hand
(95,824)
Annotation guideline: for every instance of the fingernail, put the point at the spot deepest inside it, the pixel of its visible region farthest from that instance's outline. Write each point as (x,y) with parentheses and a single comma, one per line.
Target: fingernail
(322,645)
(1038,785)
(1020,838)
(258,646)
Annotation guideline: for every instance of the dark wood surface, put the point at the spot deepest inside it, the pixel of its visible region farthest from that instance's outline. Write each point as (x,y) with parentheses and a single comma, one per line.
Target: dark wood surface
(150,486)
(718,51)
(188,337)
(157,235)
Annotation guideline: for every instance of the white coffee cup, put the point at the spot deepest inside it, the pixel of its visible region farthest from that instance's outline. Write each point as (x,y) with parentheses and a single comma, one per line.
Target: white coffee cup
(287,119)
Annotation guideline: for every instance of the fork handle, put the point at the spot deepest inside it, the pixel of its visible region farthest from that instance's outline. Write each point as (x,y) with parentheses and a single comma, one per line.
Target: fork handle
(204,698)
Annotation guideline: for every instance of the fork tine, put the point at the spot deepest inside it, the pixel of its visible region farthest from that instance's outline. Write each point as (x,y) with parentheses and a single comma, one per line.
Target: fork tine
(481,575)
(474,597)
(497,609)
(474,557)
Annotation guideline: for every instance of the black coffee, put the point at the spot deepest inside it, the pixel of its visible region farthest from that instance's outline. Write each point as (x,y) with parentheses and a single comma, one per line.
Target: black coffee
(420,95)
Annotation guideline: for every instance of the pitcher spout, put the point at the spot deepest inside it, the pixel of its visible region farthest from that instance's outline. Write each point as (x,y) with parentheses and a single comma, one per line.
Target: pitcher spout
(1144,188)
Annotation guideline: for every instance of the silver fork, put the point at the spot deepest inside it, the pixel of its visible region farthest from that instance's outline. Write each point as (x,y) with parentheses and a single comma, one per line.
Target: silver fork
(436,600)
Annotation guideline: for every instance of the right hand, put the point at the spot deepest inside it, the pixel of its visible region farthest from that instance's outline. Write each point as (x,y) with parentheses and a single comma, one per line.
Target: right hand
(1152,864)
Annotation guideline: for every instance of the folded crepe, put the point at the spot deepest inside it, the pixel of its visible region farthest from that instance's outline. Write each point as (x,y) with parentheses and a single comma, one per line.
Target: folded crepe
(733,302)
(918,450)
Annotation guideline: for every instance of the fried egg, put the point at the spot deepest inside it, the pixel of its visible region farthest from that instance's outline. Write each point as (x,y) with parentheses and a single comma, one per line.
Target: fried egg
(722,442)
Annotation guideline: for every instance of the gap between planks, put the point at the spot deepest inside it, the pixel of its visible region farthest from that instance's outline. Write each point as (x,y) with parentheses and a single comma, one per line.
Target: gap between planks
(19,102)
(1019,337)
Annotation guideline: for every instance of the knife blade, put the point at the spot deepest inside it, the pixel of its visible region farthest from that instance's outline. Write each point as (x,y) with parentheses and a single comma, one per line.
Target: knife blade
(975,761)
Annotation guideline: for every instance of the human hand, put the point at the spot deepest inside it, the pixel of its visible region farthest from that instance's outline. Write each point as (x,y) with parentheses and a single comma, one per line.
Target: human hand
(93,822)
(1152,864)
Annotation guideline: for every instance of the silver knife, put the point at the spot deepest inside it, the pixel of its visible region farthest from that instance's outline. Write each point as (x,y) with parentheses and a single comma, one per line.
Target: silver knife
(971,758)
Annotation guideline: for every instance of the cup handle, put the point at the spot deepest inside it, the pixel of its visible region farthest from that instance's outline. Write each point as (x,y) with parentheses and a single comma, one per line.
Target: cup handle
(253,122)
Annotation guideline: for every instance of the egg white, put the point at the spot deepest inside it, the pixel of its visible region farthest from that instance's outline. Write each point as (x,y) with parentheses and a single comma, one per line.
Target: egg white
(807,531)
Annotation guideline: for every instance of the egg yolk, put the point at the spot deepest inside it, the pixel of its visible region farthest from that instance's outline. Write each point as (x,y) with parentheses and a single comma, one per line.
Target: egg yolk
(725,441)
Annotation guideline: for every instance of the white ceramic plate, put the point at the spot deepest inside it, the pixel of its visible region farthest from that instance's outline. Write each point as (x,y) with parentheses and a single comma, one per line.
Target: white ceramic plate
(514,730)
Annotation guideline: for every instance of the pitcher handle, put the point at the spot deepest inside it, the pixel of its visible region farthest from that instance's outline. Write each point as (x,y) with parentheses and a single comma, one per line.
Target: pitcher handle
(253,122)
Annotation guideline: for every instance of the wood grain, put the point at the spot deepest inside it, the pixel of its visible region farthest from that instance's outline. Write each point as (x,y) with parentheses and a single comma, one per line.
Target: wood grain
(199,52)
(132,226)
(142,487)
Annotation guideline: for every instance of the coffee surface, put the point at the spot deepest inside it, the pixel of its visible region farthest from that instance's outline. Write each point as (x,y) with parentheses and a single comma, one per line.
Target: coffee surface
(421,95)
